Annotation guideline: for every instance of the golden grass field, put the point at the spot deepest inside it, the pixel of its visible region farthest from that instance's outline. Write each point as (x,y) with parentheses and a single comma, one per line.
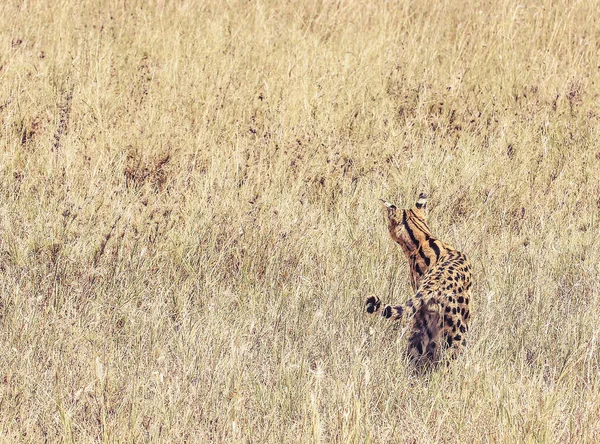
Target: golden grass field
(190,223)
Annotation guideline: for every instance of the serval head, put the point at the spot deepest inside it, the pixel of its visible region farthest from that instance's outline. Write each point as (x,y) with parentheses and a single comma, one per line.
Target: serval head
(408,226)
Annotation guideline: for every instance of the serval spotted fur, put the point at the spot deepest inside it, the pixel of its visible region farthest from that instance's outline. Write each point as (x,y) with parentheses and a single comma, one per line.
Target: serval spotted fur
(438,314)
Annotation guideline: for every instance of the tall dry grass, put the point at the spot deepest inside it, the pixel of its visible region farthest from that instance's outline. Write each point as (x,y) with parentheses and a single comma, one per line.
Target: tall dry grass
(189,220)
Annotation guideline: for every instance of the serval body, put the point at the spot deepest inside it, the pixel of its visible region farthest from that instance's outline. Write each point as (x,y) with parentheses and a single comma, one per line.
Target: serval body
(438,314)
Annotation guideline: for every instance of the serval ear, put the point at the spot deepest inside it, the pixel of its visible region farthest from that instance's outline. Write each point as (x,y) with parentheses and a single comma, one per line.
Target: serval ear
(390,207)
(422,204)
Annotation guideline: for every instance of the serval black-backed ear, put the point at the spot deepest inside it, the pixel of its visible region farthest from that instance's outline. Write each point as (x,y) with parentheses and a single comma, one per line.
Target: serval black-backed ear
(390,207)
(422,204)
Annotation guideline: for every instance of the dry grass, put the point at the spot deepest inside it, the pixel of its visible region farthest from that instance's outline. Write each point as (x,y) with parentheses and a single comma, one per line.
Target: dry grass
(189,220)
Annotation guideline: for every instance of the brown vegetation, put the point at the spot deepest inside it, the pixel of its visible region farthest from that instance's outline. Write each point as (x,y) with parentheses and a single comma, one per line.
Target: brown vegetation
(189,218)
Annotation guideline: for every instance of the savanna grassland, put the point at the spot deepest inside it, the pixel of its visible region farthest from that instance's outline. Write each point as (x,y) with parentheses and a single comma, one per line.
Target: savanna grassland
(189,218)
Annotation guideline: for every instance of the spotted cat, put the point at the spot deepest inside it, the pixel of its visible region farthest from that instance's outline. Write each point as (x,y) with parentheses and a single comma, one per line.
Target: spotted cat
(438,314)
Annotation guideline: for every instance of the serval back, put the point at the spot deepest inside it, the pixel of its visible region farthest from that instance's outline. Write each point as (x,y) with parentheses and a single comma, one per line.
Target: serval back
(438,314)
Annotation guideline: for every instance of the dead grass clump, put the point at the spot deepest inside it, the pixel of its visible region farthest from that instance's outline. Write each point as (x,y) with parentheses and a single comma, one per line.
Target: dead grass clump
(153,172)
